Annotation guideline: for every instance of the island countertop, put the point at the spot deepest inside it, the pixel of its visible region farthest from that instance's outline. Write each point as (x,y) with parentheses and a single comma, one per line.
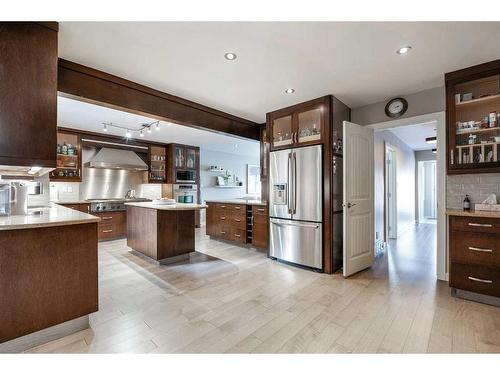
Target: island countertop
(168,207)
(473,213)
(52,215)
(250,202)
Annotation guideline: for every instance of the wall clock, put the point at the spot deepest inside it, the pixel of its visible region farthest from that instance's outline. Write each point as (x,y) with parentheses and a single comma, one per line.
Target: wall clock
(396,107)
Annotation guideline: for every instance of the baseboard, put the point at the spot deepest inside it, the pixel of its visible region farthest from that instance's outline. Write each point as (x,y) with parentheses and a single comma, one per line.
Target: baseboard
(45,335)
(476,297)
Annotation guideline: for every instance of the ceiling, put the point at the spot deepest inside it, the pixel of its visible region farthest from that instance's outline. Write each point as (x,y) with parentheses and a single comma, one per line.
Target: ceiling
(84,116)
(355,61)
(414,135)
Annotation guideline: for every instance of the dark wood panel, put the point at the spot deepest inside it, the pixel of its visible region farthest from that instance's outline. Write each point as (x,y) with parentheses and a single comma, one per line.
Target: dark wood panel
(47,278)
(175,233)
(475,248)
(88,84)
(142,226)
(478,279)
(112,225)
(211,222)
(28,94)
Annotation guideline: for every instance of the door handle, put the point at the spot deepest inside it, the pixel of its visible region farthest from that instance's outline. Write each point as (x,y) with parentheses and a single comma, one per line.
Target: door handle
(289,186)
(294,182)
(349,205)
(480,249)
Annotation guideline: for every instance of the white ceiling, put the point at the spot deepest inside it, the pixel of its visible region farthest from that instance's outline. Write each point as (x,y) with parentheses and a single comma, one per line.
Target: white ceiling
(414,135)
(84,116)
(355,61)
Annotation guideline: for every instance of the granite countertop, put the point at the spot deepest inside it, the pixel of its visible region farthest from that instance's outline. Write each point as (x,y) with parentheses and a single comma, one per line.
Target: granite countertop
(168,207)
(48,216)
(254,202)
(472,213)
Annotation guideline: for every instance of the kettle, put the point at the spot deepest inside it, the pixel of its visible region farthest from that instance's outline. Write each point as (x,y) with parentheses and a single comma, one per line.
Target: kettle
(19,202)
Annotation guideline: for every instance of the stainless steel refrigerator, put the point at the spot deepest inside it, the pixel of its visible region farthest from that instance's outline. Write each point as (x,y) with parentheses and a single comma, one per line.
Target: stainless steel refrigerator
(296,205)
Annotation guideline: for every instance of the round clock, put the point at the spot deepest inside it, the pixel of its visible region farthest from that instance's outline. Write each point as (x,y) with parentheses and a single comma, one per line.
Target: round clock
(396,107)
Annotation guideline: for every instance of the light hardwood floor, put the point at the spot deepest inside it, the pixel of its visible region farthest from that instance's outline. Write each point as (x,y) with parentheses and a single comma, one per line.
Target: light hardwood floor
(231,299)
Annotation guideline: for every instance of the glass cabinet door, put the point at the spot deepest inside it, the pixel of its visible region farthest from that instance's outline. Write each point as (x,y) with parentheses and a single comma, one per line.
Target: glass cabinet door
(190,158)
(310,125)
(282,131)
(179,157)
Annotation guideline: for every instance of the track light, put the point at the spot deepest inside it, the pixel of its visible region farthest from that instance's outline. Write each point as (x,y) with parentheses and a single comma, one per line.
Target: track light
(148,129)
(141,134)
(157,127)
(105,128)
(128,134)
(431,140)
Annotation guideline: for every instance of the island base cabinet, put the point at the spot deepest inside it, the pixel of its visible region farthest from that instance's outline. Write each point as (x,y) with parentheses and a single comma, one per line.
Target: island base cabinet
(48,276)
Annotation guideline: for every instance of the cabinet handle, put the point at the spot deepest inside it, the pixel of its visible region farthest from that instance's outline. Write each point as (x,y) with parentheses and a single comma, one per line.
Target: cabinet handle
(107,231)
(480,225)
(251,220)
(261,209)
(480,280)
(223,218)
(479,249)
(238,235)
(222,206)
(222,232)
(107,217)
(237,220)
(237,207)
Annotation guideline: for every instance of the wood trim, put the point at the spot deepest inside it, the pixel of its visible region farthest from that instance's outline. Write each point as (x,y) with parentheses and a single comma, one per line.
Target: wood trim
(95,86)
(472,70)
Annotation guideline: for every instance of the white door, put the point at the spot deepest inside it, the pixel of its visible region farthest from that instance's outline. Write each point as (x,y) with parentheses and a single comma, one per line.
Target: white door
(359,241)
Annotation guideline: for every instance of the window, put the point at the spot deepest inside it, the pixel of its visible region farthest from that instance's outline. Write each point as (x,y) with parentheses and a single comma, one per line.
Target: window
(253,180)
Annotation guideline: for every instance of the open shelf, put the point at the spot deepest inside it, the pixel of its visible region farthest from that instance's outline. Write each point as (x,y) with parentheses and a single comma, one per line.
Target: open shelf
(478,100)
(472,131)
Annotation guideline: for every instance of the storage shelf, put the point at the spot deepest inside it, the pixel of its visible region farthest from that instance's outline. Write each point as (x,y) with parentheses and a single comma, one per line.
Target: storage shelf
(479,145)
(478,100)
(72,168)
(472,131)
(217,170)
(67,155)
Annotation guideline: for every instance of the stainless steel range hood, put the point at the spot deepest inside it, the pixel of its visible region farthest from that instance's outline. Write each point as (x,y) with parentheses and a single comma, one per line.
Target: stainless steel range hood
(111,158)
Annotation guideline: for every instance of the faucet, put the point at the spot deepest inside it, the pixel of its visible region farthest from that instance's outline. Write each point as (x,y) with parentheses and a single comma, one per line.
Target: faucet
(130,194)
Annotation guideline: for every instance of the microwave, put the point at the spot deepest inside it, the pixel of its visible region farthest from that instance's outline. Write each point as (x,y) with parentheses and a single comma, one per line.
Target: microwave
(185,176)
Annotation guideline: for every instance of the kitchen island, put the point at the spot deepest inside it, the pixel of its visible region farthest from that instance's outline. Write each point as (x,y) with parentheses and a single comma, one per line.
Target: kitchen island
(162,232)
(48,278)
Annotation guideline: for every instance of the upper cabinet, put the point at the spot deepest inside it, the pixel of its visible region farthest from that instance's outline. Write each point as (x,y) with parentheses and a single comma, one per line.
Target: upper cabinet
(183,163)
(157,164)
(28,94)
(186,157)
(299,125)
(69,158)
(472,117)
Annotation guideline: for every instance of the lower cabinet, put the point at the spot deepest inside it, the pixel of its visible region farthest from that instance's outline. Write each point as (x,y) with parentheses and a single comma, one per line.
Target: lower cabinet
(112,225)
(242,224)
(475,254)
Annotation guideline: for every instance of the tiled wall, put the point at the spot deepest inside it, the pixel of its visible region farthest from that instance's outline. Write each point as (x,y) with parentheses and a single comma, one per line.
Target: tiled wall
(478,186)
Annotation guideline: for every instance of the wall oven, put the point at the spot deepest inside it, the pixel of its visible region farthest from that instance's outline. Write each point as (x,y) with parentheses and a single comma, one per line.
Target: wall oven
(183,176)
(185,193)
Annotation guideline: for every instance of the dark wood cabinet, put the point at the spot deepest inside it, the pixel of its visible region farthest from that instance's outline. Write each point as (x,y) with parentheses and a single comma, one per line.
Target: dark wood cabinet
(157,162)
(112,225)
(28,94)
(82,207)
(473,119)
(68,157)
(475,254)
(240,223)
(300,125)
(183,159)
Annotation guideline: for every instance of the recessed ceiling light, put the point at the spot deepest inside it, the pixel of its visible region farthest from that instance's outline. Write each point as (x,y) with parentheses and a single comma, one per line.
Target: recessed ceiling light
(403,50)
(230,56)
(289,91)
(431,140)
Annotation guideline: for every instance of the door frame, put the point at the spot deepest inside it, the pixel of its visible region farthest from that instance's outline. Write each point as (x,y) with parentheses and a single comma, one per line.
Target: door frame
(442,239)
(391,212)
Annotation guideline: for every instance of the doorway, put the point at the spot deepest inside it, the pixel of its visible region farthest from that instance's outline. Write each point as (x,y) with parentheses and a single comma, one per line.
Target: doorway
(427,201)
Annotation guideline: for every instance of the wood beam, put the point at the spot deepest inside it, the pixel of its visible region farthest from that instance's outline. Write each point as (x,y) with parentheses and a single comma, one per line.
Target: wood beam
(94,86)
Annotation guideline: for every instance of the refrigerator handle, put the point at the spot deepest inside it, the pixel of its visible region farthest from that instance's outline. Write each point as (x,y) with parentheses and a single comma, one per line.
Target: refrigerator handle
(294,182)
(289,186)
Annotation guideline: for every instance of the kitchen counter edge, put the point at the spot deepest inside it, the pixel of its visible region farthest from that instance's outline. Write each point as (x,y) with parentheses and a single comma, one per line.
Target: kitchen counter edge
(168,207)
(473,213)
(249,202)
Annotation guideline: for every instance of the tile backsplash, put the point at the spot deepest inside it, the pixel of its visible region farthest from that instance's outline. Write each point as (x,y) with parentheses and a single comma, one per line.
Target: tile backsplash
(477,186)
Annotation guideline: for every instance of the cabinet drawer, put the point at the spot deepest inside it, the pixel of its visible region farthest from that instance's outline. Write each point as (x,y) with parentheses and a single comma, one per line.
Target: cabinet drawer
(260,219)
(475,248)
(238,222)
(478,279)
(222,218)
(237,208)
(475,224)
(221,206)
(260,235)
(105,232)
(259,211)
(224,232)
(238,235)
(72,206)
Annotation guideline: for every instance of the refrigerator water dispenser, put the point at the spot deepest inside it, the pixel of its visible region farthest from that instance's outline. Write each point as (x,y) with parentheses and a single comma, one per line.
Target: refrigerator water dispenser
(279,194)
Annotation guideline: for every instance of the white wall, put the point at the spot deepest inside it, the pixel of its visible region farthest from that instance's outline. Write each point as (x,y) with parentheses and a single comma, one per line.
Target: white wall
(233,162)
(405,179)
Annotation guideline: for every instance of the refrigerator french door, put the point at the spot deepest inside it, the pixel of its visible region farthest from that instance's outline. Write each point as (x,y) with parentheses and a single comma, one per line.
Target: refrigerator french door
(295,206)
